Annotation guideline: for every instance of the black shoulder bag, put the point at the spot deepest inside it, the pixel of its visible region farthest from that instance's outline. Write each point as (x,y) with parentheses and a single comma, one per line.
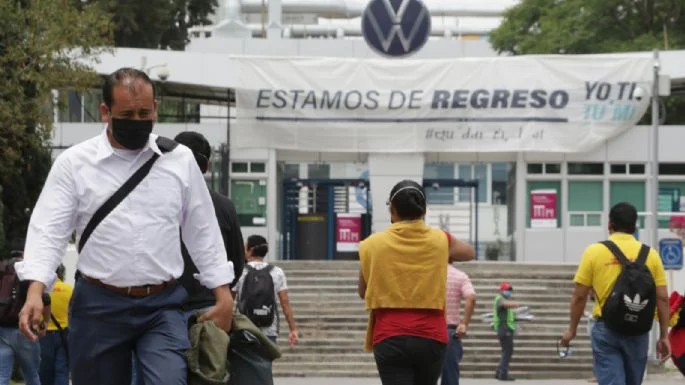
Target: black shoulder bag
(165,145)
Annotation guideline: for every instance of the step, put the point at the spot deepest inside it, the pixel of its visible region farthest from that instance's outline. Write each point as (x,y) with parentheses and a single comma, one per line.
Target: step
(560,365)
(579,373)
(471,357)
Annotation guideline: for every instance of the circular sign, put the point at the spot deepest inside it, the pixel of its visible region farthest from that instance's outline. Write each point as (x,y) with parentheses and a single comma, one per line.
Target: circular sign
(396,28)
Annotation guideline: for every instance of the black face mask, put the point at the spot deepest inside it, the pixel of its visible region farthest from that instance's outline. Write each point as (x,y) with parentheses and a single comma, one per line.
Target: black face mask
(132,134)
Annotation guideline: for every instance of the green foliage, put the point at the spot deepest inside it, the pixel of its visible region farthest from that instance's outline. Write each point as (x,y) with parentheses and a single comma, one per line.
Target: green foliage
(157,24)
(595,26)
(38,53)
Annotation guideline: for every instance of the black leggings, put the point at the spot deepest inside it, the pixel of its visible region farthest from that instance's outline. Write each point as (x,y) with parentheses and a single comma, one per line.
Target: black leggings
(406,360)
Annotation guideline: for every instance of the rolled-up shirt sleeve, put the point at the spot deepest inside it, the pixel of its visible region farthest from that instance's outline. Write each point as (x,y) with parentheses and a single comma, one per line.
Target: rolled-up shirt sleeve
(201,234)
(51,225)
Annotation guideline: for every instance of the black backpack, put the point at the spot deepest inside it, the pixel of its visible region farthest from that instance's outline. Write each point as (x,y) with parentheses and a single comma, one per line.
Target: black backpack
(257,297)
(630,307)
(10,303)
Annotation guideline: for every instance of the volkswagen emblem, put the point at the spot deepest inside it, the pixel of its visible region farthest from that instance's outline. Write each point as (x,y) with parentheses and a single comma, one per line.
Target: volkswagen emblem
(396,28)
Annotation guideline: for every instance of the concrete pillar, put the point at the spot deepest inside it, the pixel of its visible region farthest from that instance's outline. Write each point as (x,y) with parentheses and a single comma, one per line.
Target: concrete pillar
(272,189)
(520,207)
(275,26)
(385,170)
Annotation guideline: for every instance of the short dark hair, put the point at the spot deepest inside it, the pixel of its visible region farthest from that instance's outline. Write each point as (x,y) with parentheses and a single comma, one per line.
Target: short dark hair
(408,199)
(257,245)
(623,218)
(120,75)
(199,145)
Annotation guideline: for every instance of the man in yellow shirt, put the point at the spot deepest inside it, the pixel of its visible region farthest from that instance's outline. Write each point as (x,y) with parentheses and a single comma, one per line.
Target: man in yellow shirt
(618,358)
(54,364)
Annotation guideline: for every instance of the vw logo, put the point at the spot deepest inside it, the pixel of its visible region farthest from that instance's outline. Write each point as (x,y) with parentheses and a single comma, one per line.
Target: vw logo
(396,28)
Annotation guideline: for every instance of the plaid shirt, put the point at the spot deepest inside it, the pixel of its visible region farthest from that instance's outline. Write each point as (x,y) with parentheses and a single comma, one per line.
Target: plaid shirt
(458,287)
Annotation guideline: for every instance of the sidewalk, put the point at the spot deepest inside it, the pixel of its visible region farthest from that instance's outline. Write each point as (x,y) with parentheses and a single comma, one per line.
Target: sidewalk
(373,381)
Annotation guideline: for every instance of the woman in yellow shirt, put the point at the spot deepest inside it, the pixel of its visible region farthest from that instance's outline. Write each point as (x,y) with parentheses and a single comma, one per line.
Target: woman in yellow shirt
(403,280)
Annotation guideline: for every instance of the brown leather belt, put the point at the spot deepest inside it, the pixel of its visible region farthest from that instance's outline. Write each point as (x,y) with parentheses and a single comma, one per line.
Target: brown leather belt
(133,291)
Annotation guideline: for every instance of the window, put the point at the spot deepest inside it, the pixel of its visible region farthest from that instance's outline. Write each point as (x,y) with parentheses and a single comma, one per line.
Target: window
(290,170)
(500,177)
(535,168)
(586,168)
(631,192)
(479,172)
(543,185)
(670,198)
(632,169)
(318,171)
(70,107)
(91,106)
(258,167)
(619,168)
(672,168)
(239,167)
(249,197)
(552,168)
(636,169)
(544,168)
(585,203)
(440,195)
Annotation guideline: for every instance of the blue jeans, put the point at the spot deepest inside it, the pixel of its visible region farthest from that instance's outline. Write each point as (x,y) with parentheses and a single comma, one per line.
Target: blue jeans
(136,374)
(453,355)
(14,345)
(106,328)
(619,360)
(54,367)
(591,322)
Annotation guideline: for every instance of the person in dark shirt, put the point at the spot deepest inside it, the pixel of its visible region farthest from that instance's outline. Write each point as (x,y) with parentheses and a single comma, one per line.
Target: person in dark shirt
(199,297)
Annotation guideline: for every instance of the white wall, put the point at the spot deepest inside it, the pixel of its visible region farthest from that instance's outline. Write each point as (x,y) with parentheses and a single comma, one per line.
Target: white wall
(434,49)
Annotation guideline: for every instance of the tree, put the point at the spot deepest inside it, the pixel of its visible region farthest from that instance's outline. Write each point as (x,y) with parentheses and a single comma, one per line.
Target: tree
(157,24)
(44,45)
(594,26)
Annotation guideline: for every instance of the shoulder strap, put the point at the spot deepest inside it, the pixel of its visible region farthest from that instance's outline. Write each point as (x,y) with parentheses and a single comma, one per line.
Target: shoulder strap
(616,252)
(165,145)
(642,256)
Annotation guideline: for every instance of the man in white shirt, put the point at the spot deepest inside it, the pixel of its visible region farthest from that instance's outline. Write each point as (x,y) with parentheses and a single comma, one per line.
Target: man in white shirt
(126,298)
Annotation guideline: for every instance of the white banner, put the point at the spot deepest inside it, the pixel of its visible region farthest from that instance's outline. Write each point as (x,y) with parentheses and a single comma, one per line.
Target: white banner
(504,104)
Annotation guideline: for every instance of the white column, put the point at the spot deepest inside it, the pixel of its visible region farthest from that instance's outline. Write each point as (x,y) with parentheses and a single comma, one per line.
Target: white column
(272,189)
(385,170)
(565,222)
(275,27)
(520,207)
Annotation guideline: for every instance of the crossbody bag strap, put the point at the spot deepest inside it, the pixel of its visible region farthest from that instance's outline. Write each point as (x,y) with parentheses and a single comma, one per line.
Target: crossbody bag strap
(165,145)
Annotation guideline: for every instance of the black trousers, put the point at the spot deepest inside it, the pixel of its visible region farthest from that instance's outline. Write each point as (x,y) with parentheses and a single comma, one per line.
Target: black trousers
(406,360)
(680,364)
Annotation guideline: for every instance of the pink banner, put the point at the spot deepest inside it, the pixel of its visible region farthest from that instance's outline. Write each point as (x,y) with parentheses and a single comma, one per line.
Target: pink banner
(543,209)
(348,232)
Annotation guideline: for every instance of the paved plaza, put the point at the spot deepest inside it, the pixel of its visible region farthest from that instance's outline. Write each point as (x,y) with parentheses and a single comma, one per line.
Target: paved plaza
(373,381)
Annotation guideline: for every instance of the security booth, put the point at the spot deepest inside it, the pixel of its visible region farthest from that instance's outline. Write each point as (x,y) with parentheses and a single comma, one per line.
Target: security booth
(454,207)
(325,218)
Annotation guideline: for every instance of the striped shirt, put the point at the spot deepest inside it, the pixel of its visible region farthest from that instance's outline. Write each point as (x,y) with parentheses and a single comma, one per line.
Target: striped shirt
(458,287)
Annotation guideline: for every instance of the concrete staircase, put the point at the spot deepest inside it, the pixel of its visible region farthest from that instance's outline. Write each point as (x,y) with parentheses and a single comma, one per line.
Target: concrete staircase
(332,321)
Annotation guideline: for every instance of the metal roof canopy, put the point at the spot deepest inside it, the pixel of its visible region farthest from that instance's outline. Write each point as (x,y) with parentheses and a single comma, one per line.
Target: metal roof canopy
(212,76)
(205,94)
